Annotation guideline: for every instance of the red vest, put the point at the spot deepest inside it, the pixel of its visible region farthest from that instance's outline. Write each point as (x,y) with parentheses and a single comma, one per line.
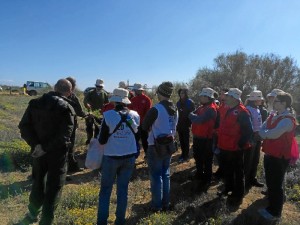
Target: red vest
(229,132)
(206,129)
(280,147)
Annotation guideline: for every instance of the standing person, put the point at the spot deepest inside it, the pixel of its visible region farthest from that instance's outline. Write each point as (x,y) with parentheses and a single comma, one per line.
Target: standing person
(160,119)
(72,162)
(141,103)
(234,136)
(117,134)
(252,155)
(185,105)
(94,100)
(222,109)
(277,134)
(47,126)
(203,124)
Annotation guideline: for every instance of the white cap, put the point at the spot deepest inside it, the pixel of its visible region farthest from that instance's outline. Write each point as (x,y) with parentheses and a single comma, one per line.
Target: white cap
(255,95)
(209,92)
(235,92)
(274,92)
(138,86)
(120,95)
(99,83)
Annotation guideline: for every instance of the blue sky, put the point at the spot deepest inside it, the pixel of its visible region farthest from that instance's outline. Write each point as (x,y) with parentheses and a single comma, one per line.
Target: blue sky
(145,41)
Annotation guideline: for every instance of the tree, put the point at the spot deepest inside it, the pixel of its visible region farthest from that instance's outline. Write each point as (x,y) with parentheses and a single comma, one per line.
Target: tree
(249,72)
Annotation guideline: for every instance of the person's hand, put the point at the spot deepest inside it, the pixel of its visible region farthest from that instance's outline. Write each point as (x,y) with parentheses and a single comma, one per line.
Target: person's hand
(38,151)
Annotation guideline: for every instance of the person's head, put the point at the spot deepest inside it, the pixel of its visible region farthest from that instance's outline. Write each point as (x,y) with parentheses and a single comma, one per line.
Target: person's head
(207,95)
(122,84)
(271,96)
(138,88)
(183,93)
(255,98)
(63,87)
(282,101)
(165,90)
(73,82)
(223,95)
(233,97)
(120,96)
(99,84)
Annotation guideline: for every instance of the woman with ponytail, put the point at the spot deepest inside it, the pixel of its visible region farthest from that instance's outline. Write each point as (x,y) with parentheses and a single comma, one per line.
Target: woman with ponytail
(277,134)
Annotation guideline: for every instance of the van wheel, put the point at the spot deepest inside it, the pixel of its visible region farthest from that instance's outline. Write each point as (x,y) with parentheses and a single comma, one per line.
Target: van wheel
(32,93)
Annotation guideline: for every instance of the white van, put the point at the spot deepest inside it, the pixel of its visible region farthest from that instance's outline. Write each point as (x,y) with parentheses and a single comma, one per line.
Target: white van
(34,88)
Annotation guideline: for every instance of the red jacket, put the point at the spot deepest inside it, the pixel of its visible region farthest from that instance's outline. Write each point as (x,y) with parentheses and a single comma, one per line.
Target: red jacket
(141,104)
(206,129)
(280,147)
(229,132)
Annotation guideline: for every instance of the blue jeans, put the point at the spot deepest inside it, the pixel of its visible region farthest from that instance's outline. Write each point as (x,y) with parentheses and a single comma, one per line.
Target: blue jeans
(159,171)
(121,168)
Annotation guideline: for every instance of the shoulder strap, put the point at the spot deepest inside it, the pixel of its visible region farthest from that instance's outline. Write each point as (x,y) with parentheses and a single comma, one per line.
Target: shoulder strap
(123,119)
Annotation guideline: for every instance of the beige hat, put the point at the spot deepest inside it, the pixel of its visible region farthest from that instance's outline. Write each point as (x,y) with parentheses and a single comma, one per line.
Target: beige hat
(138,86)
(99,83)
(235,92)
(255,95)
(122,84)
(274,92)
(209,92)
(120,95)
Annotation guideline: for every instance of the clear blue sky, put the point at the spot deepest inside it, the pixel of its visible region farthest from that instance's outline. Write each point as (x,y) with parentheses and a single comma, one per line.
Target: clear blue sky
(146,41)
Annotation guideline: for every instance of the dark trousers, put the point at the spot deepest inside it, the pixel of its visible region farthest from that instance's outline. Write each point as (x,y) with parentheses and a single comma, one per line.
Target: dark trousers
(233,168)
(49,175)
(184,139)
(275,169)
(144,138)
(203,155)
(72,162)
(92,129)
(251,161)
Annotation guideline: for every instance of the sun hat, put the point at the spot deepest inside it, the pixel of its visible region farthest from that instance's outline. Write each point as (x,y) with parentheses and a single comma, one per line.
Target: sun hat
(255,95)
(274,92)
(165,89)
(138,86)
(99,83)
(235,93)
(120,95)
(209,92)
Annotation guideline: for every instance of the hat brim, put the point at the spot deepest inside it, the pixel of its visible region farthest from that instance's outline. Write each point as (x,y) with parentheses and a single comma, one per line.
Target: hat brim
(271,95)
(255,98)
(205,94)
(119,99)
(233,96)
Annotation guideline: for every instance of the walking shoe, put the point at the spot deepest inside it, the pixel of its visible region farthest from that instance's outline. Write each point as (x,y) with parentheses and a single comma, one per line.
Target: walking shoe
(256,183)
(28,219)
(268,216)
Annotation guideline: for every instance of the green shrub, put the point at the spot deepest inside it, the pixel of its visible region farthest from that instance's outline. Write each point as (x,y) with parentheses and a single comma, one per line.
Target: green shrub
(157,219)
(14,155)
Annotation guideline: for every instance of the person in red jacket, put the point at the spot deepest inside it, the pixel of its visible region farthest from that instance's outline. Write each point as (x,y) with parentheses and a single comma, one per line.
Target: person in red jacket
(277,133)
(234,135)
(141,103)
(203,123)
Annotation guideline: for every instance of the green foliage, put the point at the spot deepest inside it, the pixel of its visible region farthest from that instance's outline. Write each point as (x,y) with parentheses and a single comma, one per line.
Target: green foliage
(157,219)
(14,155)
(294,194)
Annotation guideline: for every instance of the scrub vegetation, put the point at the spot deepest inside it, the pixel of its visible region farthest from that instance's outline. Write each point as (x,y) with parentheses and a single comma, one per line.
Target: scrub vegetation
(79,201)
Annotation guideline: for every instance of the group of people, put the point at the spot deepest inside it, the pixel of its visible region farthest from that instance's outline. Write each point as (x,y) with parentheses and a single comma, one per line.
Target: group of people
(221,125)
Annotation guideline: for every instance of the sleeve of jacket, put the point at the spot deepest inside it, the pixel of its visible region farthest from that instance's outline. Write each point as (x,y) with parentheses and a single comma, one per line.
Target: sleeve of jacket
(78,108)
(149,119)
(104,133)
(64,131)
(27,129)
(246,129)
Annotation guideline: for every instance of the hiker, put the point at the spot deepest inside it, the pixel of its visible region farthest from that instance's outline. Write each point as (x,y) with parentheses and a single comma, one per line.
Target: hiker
(234,136)
(72,162)
(252,155)
(94,100)
(161,121)
(47,126)
(118,135)
(185,105)
(203,123)
(141,103)
(277,134)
